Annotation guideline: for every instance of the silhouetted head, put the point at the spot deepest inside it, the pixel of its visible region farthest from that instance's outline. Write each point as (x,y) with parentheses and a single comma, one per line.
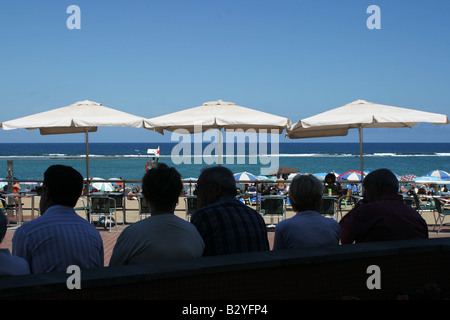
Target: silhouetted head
(378,183)
(62,185)
(213,184)
(305,193)
(161,187)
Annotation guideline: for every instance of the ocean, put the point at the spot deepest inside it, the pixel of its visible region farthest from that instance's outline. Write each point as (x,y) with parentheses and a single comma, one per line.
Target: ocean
(128,160)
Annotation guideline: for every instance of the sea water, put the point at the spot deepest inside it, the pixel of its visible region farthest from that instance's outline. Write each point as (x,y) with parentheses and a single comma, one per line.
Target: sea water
(128,160)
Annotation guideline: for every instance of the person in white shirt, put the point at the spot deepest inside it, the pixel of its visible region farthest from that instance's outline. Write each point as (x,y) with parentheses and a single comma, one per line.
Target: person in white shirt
(308,228)
(162,236)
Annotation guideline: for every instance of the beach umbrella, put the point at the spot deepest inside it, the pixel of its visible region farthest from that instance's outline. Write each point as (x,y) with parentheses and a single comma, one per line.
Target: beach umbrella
(320,175)
(285,170)
(351,176)
(30,184)
(218,115)
(293,175)
(443,175)
(190,179)
(244,176)
(266,178)
(117,182)
(360,114)
(429,179)
(407,177)
(102,185)
(81,117)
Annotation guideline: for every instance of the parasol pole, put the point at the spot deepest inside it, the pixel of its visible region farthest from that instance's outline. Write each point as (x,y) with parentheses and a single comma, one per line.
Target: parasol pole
(87,161)
(361,152)
(220,146)
(361,158)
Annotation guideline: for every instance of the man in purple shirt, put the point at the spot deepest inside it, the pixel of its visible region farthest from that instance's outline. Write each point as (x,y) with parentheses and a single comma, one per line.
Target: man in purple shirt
(60,237)
(383,215)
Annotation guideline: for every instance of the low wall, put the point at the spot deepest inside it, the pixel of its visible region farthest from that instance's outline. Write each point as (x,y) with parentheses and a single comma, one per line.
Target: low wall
(318,273)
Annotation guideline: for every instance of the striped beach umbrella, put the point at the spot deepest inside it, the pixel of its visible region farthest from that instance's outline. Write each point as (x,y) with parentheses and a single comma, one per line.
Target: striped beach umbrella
(443,175)
(351,176)
(428,179)
(102,186)
(407,177)
(244,176)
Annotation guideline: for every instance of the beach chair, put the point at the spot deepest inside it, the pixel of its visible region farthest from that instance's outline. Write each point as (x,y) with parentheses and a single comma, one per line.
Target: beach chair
(273,207)
(345,201)
(83,207)
(420,207)
(104,208)
(191,204)
(144,209)
(409,201)
(119,197)
(441,213)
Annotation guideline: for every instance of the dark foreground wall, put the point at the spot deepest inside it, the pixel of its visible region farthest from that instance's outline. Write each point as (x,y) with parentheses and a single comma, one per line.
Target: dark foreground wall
(319,273)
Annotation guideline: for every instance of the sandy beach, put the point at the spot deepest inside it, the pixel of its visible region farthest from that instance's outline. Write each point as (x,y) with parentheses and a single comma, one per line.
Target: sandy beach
(132,216)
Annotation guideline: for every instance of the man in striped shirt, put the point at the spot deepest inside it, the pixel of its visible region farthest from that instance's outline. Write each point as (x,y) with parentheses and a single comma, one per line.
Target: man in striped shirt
(60,237)
(225,224)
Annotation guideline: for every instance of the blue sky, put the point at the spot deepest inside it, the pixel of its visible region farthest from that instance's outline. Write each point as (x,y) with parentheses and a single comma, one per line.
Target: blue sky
(292,58)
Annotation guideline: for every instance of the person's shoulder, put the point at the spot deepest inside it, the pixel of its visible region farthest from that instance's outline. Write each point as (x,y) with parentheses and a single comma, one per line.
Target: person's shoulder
(331,222)
(32,225)
(212,207)
(281,225)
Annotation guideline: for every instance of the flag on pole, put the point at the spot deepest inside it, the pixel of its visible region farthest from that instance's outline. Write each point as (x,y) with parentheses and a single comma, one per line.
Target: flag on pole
(154,151)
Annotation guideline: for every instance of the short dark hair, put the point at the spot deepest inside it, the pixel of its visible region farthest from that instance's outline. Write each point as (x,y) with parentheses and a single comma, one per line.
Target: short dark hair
(65,184)
(162,186)
(305,193)
(330,176)
(221,176)
(381,181)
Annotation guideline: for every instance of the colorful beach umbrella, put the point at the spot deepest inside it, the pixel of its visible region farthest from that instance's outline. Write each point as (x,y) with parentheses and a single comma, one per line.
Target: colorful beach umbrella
(443,175)
(428,179)
(102,186)
(244,176)
(360,114)
(351,176)
(407,178)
